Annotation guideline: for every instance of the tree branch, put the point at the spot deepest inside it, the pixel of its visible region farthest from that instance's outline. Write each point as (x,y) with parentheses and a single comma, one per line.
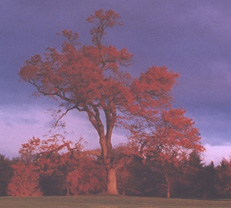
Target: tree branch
(63,114)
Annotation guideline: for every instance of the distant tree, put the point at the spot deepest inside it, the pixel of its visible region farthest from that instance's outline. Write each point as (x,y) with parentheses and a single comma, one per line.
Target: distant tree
(130,178)
(223,184)
(5,174)
(54,184)
(208,182)
(25,180)
(167,142)
(124,176)
(144,180)
(92,79)
(189,183)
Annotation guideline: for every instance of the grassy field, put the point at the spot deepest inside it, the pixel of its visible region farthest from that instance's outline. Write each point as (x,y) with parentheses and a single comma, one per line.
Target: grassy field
(107,202)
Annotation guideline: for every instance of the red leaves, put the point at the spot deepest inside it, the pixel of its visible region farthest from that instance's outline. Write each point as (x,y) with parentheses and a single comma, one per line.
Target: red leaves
(153,87)
(47,153)
(70,36)
(178,129)
(176,134)
(169,139)
(86,178)
(29,73)
(106,18)
(25,181)
(102,20)
(91,78)
(115,58)
(48,158)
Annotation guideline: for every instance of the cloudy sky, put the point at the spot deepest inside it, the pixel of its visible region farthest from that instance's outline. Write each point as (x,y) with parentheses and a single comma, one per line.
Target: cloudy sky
(192,38)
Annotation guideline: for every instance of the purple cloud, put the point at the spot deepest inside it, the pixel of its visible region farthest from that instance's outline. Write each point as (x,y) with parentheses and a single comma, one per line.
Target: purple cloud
(189,37)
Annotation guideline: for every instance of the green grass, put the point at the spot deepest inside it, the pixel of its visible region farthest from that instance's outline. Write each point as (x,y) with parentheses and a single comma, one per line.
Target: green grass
(108,202)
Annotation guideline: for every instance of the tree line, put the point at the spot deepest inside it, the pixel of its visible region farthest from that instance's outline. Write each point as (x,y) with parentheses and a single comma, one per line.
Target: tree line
(50,167)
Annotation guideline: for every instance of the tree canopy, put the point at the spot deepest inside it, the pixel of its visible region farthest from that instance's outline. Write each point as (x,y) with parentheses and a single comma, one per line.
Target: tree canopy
(92,78)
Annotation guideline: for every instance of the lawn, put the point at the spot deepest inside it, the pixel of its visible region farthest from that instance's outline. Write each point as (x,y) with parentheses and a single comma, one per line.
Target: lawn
(107,202)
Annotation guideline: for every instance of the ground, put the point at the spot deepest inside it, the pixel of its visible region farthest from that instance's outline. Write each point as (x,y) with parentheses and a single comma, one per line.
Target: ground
(108,202)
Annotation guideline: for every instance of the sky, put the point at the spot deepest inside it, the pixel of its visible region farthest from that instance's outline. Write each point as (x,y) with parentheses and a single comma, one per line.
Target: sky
(192,38)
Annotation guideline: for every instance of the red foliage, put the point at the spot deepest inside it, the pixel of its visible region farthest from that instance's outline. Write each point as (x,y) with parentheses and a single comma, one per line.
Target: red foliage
(86,178)
(166,143)
(171,138)
(92,79)
(51,154)
(177,135)
(54,158)
(25,181)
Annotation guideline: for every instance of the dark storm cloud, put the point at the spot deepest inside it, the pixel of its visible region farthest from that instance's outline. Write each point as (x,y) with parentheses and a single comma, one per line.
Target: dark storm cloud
(194,39)
(189,37)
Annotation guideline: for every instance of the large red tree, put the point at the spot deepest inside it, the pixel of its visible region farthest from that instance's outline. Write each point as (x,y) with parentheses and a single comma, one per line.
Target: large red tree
(92,79)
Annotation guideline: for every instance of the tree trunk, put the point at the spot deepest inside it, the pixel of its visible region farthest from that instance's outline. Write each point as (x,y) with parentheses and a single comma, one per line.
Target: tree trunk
(68,190)
(168,194)
(105,142)
(111,182)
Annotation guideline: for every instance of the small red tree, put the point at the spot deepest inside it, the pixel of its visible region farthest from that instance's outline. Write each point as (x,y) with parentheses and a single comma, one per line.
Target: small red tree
(25,180)
(92,79)
(167,142)
(86,178)
(52,157)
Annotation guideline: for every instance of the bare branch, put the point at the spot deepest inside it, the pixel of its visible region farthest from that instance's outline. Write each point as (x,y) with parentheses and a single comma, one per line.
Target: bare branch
(63,114)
